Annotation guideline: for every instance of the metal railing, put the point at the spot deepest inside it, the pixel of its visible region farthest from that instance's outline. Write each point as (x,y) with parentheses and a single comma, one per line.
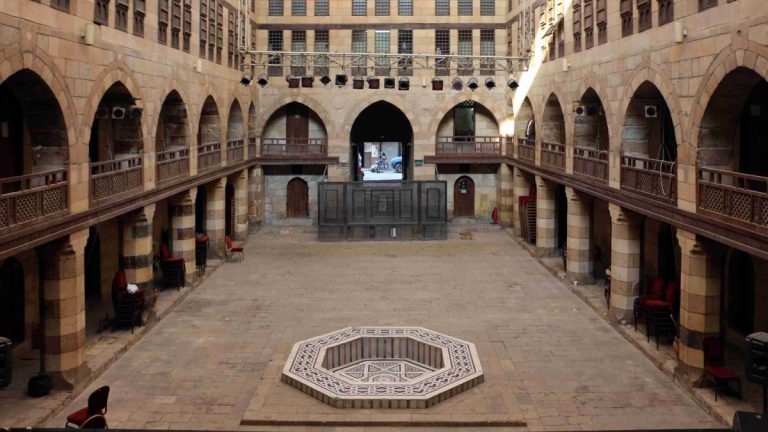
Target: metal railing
(652,177)
(294,147)
(553,155)
(172,164)
(113,178)
(235,150)
(591,162)
(32,196)
(735,195)
(526,149)
(468,145)
(208,156)
(251,147)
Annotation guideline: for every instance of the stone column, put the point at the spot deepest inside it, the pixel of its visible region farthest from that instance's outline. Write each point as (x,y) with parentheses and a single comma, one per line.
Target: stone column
(579,253)
(240,183)
(626,235)
(137,251)
(183,232)
(64,317)
(506,197)
(214,218)
(255,198)
(699,299)
(520,187)
(546,235)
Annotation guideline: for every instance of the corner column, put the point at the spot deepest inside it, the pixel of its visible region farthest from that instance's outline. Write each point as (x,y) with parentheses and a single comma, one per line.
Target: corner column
(505,196)
(255,198)
(64,317)
(137,251)
(626,235)
(579,254)
(183,233)
(699,299)
(240,183)
(546,239)
(215,223)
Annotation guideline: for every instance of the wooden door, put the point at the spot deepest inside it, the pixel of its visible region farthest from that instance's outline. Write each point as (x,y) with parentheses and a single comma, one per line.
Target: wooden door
(298,199)
(297,122)
(464,197)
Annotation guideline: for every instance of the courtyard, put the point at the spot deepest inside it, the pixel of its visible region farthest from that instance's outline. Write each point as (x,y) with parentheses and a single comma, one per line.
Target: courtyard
(550,362)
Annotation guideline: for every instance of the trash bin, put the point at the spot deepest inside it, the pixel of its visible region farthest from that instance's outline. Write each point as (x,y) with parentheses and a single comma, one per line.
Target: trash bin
(6,362)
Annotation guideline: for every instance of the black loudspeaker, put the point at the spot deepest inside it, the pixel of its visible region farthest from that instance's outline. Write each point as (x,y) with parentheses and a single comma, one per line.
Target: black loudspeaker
(756,362)
(39,385)
(749,422)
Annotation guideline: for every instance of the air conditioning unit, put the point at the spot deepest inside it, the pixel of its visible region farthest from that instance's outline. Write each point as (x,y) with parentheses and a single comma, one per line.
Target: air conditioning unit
(118,113)
(134,112)
(102,113)
(651,111)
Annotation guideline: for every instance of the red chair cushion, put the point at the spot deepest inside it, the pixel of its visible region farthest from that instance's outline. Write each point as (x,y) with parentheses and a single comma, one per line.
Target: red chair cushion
(121,282)
(229,241)
(653,303)
(657,289)
(79,416)
(174,260)
(720,372)
(165,253)
(671,292)
(236,249)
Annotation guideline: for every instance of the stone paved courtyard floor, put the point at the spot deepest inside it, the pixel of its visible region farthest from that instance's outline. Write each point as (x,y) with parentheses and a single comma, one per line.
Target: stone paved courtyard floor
(549,360)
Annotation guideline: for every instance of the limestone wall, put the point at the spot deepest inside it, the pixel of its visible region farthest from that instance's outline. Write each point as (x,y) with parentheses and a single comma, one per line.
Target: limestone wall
(276,195)
(485,193)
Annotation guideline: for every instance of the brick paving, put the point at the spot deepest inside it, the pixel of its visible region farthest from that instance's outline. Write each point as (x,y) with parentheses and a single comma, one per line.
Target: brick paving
(549,360)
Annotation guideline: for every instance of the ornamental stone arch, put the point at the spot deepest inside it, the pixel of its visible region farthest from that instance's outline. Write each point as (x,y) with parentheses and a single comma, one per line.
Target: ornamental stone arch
(659,79)
(552,119)
(265,114)
(398,101)
(171,84)
(591,81)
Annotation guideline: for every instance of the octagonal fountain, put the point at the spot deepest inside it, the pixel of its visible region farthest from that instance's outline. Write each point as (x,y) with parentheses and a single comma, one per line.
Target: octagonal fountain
(383,367)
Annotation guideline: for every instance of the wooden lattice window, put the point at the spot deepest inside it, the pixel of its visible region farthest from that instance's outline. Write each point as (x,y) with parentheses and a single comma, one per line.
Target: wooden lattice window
(577,26)
(626,17)
(187,25)
(666,11)
(643,15)
(602,22)
(139,8)
(706,4)
(589,37)
(219,31)
(162,21)
(203,27)
(231,40)
(62,5)
(176,24)
(121,15)
(212,30)
(101,12)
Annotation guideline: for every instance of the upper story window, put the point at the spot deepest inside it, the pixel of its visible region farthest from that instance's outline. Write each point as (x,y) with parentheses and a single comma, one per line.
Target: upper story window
(298,7)
(666,11)
(706,4)
(359,7)
(589,35)
(602,22)
(442,7)
(322,38)
(442,46)
(276,8)
(465,7)
(382,7)
(577,25)
(121,15)
(138,17)
(101,12)
(321,8)
(626,17)
(405,7)
(487,7)
(643,15)
(62,5)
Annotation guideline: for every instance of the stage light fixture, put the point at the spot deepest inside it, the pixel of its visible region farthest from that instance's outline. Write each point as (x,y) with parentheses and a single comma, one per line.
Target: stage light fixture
(512,84)
(373,82)
(325,79)
(403,84)
(490,84)
(472,84)
(341,80)
(457,84)
(293,81)
(307,81)
(262,81)
(389,83)
(358,83)
(246,79)
(437,84)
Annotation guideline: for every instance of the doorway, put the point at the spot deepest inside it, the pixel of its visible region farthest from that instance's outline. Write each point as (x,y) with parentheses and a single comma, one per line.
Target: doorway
(297,204)
(93,264)
(464,197)
(381,128)
(741,293)
(229,210)
(12,300)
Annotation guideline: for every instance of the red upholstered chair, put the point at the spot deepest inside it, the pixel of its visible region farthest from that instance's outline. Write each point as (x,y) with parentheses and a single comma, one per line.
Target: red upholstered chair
(174,269)
(654,290)
(232,249)
(714,368)
(127,306)
(97,421)
(97,405)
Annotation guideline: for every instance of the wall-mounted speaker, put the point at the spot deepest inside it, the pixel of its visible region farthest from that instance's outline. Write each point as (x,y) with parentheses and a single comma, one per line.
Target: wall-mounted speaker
(118,113)
(651,111)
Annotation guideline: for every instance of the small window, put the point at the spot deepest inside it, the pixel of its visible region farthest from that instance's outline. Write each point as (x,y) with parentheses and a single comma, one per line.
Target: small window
(101,12)
(121,15)
(487,7)
(643,15)
(405,46)
(321,8)
(162,21)
(487,49)
(577,26)
(276,8)
(187,25)
(442,7)
(359,45)
(138,17)
(405,7)
(706,4)
(382,7)
(359,7)
(465,7)
(589,35)
(298,44)
(465,49)
(176,24)
(442,46)
(275,43)
(62,5)
(666,11)
(322,45)
(299,7)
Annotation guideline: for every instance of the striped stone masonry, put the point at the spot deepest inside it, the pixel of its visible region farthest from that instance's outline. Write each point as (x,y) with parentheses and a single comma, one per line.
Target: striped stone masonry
(137,251)
(64,319)
(240,183)
(255,197)
(699,298)
(579,254)
(506,198)
(546,236)
(626,238)
(215,222)
(520,187)
(183,233)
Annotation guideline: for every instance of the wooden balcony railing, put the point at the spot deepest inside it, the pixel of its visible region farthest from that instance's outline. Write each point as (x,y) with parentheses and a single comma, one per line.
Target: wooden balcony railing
(302,148)
(33,196)
(208,156)
(553,155)
(468,145)
(652,177)
(591,162)
(526,149)
(251,147)
(116,177)
(235,150)
(172,164)
(734,195)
